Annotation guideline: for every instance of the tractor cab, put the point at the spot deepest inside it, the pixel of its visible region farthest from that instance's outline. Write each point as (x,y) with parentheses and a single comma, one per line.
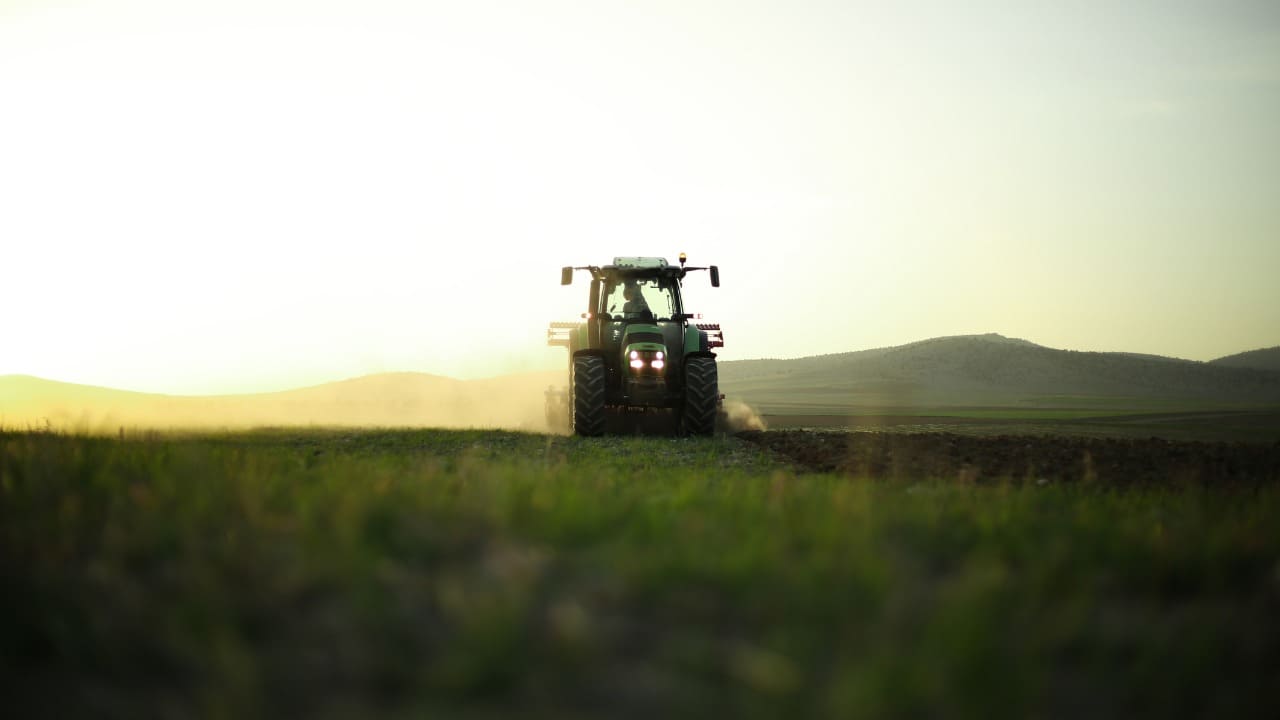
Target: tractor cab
(642,298)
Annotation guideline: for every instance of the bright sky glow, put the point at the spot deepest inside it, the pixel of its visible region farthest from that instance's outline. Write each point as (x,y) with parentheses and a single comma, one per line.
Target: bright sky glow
(207,197)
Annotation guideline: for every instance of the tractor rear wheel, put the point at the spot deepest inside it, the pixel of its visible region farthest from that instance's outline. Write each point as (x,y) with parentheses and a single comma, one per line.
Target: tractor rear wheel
(588,395)
(701,396)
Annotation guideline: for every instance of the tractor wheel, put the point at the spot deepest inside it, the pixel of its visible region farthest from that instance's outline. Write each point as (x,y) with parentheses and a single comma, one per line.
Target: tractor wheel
(701,396)
(588,395)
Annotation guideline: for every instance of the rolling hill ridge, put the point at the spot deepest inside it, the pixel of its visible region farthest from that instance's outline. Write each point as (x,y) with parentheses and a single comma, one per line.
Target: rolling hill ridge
(385,399)
(961,371)
(1264,359)
(990,369)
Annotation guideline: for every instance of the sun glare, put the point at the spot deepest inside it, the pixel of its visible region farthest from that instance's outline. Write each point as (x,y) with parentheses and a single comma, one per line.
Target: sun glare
(210,197)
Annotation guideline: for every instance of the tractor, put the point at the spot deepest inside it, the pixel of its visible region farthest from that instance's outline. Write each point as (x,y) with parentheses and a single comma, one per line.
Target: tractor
(635,351)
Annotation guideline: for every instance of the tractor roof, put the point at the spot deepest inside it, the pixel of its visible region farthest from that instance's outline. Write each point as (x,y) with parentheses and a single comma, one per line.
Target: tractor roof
(633,271)
(634,267)
(640,262)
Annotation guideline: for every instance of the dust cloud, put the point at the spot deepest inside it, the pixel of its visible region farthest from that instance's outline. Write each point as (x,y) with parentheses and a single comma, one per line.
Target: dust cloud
(515,402)
(510,402)
(739,416)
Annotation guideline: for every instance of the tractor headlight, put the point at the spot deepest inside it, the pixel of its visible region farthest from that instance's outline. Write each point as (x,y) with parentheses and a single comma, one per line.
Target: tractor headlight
(646,360)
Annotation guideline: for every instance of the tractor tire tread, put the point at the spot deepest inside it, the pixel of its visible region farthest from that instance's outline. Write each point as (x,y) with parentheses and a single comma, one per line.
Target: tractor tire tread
(701,396)
(588,395)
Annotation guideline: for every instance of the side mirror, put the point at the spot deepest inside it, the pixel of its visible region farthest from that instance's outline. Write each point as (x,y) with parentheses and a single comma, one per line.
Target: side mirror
(566,276)
(715,276)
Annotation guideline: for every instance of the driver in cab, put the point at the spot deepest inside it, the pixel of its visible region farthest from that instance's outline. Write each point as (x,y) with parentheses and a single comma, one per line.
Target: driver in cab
(635,305)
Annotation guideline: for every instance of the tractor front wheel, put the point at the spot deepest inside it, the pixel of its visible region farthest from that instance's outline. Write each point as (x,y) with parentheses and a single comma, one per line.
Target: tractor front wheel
(701,396)
(588,395)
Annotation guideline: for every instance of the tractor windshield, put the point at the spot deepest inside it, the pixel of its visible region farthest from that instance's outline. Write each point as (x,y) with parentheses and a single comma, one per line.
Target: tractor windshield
(636,298)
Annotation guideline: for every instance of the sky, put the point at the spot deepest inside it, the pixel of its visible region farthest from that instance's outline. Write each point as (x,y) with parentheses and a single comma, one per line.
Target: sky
(217,197)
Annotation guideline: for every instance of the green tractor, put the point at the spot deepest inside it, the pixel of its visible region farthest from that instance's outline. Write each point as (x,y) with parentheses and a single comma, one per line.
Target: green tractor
(635,352)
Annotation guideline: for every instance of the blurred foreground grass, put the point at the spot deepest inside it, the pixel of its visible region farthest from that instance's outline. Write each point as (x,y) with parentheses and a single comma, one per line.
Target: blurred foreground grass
(484,574)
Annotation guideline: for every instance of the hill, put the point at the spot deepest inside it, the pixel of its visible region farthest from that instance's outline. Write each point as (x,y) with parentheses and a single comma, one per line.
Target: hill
(989,369)
(389,399)
(963,371)
(1264,359)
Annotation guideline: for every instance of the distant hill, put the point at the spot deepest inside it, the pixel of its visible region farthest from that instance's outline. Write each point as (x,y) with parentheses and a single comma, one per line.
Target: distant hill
(1264,359)
(988,370)
(512,401)
(967,370)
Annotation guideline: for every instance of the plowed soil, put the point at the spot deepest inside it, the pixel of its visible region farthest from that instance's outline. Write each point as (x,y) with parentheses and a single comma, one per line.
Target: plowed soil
(1023,458)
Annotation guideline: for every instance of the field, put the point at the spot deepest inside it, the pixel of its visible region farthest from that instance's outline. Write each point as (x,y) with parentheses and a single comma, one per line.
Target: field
(485,574)
(1218,424)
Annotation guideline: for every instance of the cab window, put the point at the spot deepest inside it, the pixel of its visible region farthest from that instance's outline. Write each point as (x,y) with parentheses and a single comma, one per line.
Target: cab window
(629,299)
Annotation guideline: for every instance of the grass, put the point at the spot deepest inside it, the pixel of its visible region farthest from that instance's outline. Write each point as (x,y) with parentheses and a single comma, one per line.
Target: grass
(481,574)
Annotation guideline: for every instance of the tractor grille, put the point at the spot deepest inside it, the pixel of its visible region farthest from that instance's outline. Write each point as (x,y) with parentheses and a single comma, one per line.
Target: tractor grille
(644,337)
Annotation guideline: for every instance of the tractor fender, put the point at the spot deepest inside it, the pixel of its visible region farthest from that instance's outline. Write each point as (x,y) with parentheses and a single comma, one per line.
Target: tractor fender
(695,342)
(580,340)
(701,353)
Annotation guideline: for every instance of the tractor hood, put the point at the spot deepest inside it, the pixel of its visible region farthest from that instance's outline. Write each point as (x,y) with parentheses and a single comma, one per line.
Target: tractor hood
(642,336)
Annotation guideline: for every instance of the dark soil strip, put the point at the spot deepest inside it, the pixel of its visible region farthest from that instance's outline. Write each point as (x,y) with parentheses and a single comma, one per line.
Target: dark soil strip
(1023,458)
